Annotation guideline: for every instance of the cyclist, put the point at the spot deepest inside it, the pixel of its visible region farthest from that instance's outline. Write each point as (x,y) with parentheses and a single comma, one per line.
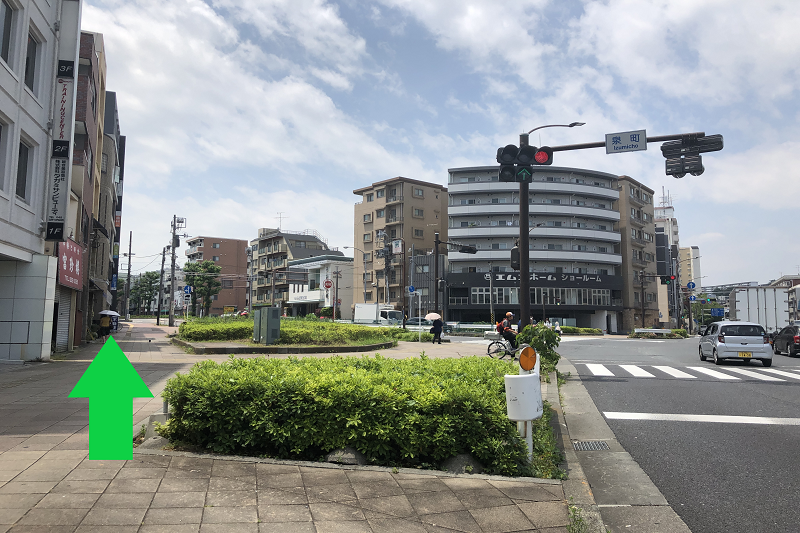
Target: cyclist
(508,332)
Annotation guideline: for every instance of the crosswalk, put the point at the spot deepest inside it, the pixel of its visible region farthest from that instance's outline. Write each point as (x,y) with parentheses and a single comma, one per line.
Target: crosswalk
(722,373)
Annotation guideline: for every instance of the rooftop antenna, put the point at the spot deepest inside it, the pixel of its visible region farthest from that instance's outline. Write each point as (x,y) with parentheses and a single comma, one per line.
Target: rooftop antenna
(280,218)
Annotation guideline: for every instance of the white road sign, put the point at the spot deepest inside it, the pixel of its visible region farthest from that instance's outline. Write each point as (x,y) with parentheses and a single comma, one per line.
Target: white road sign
(626,141)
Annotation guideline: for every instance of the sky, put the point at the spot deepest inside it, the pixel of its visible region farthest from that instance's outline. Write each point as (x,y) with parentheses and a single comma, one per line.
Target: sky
(238,112)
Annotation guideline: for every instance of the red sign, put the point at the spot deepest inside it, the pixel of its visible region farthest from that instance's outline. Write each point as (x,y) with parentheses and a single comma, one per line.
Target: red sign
(70,264)
(327,284)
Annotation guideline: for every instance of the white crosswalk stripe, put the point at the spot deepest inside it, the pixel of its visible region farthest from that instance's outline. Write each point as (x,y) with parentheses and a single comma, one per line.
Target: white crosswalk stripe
(782,373)
(674,372)
(713,373)
(599,370)
(754,375)
(635,371)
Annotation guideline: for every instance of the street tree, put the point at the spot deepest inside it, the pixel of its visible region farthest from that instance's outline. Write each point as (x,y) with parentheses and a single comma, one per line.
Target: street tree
(204,280)
(145,289)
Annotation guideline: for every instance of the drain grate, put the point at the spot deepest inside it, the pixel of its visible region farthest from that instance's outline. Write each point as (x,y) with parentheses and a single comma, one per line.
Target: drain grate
(590,445)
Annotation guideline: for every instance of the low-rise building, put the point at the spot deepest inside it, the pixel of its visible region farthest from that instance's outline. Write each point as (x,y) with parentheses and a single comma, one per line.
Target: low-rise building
(231,256)
(314,294)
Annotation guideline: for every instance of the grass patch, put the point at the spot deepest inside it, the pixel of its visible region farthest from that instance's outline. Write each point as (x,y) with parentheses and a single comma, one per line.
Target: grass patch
(404,413)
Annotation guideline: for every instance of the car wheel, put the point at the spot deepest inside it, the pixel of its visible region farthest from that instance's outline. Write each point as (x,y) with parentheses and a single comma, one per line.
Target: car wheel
(766,362)
(717,360)
(790,350)
(702,357)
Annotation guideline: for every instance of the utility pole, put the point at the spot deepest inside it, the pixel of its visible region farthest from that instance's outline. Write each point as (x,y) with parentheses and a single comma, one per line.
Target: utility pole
(336,274)
(128,281)
(436,242)
(161,286)
(524,255)
(491,294)
(641,275)
(172,276)
(411,283)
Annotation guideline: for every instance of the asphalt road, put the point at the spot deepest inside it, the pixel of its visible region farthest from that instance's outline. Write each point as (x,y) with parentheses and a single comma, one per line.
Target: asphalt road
(719,476)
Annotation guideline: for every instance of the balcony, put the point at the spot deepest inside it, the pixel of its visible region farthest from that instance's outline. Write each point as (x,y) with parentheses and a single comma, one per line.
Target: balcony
(637,221)
(636,201)
(394,220)
(281,248)
(638,242)
(639,262)
(394,199)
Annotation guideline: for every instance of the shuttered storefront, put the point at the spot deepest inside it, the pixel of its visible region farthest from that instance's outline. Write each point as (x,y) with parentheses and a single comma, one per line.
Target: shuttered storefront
(64,301)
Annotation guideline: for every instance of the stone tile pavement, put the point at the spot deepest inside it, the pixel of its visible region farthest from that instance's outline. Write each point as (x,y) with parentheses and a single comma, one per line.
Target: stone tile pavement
(48,484)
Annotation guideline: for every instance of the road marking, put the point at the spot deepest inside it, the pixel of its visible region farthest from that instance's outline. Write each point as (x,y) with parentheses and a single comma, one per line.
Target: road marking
(781,373)
(724,419)
(674,372)
(635,371)
(712,373)
(756,375)
(599,370)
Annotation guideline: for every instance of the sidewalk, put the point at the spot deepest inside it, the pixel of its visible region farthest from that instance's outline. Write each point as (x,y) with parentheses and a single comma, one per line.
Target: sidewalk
(47,483)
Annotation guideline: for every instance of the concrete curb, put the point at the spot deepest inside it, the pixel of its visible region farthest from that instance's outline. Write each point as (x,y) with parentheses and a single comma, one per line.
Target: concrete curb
(576,487)
(203,350)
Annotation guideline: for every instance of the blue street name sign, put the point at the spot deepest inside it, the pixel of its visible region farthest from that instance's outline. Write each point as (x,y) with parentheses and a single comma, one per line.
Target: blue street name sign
(717,311)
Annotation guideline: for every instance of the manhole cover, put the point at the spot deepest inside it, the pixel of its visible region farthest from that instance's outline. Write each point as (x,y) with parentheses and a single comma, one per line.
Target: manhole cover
(590,445)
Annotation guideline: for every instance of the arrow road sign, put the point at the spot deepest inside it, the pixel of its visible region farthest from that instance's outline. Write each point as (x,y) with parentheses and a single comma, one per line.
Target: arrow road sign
(410,288)
(691,285)
(111,383)
(187,289)
(692,298)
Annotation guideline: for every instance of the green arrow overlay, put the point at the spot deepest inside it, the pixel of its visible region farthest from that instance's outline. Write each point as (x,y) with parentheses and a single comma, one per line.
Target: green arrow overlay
(111,383)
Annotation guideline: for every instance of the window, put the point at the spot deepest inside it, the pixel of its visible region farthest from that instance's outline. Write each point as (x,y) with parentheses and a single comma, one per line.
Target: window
(24,171)
(368,217)
(499,246)
(650,297)
(215,245)
(393,234)
(602,249)
(602,227)
(30,62)
(368,295)
(380,213)
(6,16)
(555,246)
(215,297)
(215,258)
(633,233)
(499,200)
(552,179)
(468,202)
(368,237)
(633,212)
(104,163)
(227,283)
(392,295)
(422,268)
(381,193)
(368,256)
(369,197)
(636,297)
(419,192)
(554,223)
(419,213)
(418,233)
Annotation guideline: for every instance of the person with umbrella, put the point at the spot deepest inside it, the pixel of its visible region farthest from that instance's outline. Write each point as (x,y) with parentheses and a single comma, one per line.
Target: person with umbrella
(437,326)
(105,323)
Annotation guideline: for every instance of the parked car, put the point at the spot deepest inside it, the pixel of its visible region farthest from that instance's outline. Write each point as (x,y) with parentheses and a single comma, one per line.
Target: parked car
(736,340)
(787,340)
(417,321)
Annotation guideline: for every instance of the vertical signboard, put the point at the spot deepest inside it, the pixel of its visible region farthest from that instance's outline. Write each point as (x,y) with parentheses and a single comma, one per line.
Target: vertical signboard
(69,264)
(60,172)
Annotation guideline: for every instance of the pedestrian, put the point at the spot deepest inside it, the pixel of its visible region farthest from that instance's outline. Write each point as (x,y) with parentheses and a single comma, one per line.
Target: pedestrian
(437,330)
(558,329)
(105,327)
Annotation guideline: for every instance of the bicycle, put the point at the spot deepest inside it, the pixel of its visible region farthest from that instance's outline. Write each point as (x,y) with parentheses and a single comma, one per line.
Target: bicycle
(499,349)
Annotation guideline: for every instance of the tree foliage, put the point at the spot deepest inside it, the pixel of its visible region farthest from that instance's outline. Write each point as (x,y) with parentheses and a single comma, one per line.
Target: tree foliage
(204,280)
(145,289)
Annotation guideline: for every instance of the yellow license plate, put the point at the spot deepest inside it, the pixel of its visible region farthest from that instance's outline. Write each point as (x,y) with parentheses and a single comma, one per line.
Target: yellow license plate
(745,354)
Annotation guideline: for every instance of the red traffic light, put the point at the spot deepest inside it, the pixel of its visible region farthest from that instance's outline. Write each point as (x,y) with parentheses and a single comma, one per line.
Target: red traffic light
(544,156)
(672,278)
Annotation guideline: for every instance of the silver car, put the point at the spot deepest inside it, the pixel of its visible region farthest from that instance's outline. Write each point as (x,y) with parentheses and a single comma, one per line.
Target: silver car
(736,340)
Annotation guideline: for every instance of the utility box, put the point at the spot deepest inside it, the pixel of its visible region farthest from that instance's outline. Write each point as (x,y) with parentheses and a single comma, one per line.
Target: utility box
(524,397)
(270,330)
(257,324)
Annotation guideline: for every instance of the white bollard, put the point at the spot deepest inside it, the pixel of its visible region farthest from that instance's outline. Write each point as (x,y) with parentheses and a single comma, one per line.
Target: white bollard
(524,401)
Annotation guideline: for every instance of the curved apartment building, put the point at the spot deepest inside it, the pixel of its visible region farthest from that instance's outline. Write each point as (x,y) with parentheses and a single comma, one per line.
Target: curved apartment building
(575,260)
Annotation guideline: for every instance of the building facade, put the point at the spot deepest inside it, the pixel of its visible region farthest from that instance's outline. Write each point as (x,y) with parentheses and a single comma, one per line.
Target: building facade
(270,275)
(575,262)
(397,209)
(231,256)
(32,275)
(313,295)
(639,273)
(666,225)
(689,266)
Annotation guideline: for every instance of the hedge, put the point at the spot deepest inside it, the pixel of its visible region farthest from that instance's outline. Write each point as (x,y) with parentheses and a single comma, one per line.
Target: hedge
(572,330)
(406,412)
(673,334)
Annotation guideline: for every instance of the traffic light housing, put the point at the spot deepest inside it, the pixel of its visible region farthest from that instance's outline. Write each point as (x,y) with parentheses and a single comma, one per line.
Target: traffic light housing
(515,258)
(468,250)
(543,156)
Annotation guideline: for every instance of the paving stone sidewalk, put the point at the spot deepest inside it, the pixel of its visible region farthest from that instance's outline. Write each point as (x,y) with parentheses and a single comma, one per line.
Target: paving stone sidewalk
(48,484)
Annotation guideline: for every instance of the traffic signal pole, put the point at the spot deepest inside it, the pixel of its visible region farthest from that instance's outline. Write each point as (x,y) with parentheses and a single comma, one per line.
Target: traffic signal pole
(524,256)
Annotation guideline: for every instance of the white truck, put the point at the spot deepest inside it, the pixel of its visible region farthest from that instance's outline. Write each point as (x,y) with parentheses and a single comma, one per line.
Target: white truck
(767,306)
(377,314)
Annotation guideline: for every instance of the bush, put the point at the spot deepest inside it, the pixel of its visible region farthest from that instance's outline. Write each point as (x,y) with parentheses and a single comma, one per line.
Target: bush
(406,412)
(216,329)
(544,340)
(572,330)
(680,333)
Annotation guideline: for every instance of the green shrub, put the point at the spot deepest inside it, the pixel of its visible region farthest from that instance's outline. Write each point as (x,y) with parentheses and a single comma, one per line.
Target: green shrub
(216,329)
(572,330)
(681,333)
(545,341)
(405,412)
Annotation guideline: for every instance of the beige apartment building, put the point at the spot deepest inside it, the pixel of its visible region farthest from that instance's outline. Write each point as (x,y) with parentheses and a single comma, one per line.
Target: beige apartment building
(272,280)
(397,209)
(689,267)
(231,255)
(638,247)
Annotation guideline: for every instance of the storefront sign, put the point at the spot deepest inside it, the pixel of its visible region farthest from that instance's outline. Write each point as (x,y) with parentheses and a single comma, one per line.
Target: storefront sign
(69,264)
